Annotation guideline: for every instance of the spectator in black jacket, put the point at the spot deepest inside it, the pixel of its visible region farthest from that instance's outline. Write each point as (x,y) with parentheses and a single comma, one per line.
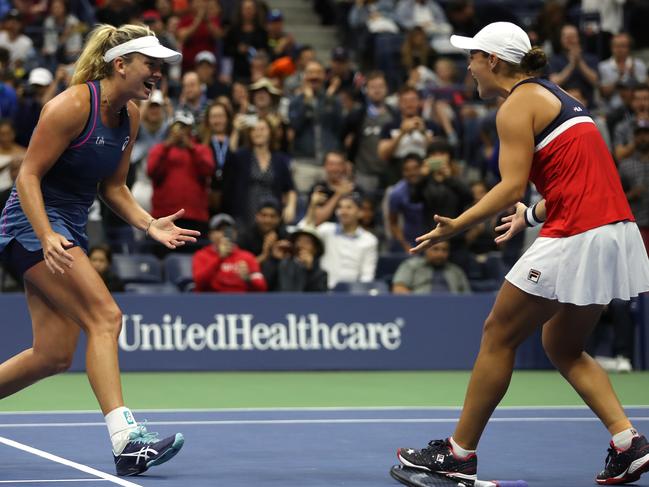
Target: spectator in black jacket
(295,264)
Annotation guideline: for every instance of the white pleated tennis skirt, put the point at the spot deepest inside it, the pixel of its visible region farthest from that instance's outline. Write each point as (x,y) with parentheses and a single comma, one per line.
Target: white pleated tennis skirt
(592,267)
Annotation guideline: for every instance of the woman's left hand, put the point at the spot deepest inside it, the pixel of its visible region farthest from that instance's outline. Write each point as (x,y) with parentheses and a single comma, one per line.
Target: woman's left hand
(445,229)
(167,233)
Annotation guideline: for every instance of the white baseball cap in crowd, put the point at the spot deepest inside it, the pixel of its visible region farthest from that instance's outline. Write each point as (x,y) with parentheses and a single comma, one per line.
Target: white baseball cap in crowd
(205,57)
(506,40)
(186,118)
(147,45)
(157,98)
(40,77)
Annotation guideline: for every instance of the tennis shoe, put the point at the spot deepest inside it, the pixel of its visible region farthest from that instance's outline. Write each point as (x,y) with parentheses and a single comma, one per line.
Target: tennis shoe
(145,450)
(438,457)
(626,466)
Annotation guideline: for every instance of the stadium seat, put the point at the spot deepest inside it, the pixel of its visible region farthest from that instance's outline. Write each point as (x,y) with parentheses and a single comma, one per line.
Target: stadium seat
(485,274)
(137,268)
(372,288)
(178,270)
(388,264)
(151,288)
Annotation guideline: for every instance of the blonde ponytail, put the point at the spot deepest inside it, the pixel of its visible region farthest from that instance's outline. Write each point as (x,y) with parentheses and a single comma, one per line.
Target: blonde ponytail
(91,64)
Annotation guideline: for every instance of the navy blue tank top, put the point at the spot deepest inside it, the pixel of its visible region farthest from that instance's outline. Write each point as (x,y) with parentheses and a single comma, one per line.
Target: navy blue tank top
(570,108)
(70,186)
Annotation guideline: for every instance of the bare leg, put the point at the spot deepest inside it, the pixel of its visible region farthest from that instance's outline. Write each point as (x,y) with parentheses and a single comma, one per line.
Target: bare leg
(564,338)
(514,317)
(55,339)
(81,295)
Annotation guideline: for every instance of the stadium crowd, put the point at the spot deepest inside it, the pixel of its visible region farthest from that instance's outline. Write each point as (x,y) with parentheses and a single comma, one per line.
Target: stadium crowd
(307,174)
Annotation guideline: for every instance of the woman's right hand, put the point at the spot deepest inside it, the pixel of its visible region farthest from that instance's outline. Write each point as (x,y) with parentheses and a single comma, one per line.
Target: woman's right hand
(55,252)
(512,224)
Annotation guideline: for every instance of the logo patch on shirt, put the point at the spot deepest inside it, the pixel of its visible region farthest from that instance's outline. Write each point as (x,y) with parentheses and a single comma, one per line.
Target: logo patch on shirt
(534,276)
(128,137)
(99,141)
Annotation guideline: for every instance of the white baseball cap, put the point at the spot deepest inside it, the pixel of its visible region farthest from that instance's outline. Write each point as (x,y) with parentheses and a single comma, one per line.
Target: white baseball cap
(157,98)
(506,40)
(40,77)
(186,118)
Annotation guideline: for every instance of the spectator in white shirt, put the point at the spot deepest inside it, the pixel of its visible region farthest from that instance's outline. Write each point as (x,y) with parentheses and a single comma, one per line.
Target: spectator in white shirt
(19,45)
(350,252)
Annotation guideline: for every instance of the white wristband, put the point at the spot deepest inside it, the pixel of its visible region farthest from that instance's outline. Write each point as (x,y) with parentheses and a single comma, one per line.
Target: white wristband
(530,216)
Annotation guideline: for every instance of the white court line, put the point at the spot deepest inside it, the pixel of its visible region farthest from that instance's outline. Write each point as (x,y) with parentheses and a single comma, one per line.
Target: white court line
(68,463)
(317,421)
(325,408)
(49,481)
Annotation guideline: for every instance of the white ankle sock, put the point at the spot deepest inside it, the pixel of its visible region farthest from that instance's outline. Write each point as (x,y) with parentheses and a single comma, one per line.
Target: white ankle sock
(458,450)
(120,423)
(623,439)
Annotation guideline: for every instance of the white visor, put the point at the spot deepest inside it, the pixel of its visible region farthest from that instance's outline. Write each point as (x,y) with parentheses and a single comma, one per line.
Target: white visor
(148,45)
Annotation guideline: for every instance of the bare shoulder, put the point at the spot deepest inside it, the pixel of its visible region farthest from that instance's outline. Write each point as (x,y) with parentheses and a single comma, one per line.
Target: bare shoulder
(68,111)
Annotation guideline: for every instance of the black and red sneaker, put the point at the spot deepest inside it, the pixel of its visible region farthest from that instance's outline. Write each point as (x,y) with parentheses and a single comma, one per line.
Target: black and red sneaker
(438,457)
(624,467)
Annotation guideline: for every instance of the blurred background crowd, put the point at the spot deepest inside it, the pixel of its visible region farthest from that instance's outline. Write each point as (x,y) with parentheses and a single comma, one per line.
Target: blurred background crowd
(311,141)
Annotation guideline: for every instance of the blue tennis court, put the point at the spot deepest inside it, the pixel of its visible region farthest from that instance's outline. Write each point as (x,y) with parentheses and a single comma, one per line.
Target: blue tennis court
(317,447)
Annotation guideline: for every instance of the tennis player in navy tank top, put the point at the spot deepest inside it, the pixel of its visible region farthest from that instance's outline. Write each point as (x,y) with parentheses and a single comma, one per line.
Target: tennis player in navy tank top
(588,252)
(81,146)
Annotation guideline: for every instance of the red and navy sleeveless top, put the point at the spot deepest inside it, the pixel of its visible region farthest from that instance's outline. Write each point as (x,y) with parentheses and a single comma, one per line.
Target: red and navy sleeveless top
(574,171)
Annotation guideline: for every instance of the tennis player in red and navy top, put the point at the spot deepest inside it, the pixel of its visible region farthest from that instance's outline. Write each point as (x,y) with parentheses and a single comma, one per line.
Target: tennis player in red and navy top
(589,252)
(82,144)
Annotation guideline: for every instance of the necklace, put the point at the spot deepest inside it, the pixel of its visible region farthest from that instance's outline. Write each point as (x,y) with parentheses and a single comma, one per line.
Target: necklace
(106,101)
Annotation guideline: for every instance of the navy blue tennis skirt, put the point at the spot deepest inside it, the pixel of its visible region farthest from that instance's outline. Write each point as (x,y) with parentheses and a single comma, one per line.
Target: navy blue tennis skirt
(18,259)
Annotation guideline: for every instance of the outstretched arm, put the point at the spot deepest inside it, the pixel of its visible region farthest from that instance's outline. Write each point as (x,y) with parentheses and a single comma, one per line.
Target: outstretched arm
(516,133)
(118,197)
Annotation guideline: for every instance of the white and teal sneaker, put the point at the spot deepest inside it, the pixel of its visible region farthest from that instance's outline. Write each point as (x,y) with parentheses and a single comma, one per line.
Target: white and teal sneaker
(145,450)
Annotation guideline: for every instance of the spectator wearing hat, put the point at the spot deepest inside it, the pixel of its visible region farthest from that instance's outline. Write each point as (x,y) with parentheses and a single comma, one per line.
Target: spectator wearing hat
(205,65)
(341,76)
(192,98)
(41,88)
(62,35)
(295,264)
(199,30)
(154,124)
(21,47)
(264,97)
(222,266)
(258,173)
(245,37)
(267,229)
(9,150)
(350,252)
(180,170)
(315,117)
(621,67)
(280,43)
(634,172)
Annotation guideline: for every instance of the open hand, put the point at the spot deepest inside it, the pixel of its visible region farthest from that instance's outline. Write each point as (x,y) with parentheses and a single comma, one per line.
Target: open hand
(445,229)
(167,233)
(512,224)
